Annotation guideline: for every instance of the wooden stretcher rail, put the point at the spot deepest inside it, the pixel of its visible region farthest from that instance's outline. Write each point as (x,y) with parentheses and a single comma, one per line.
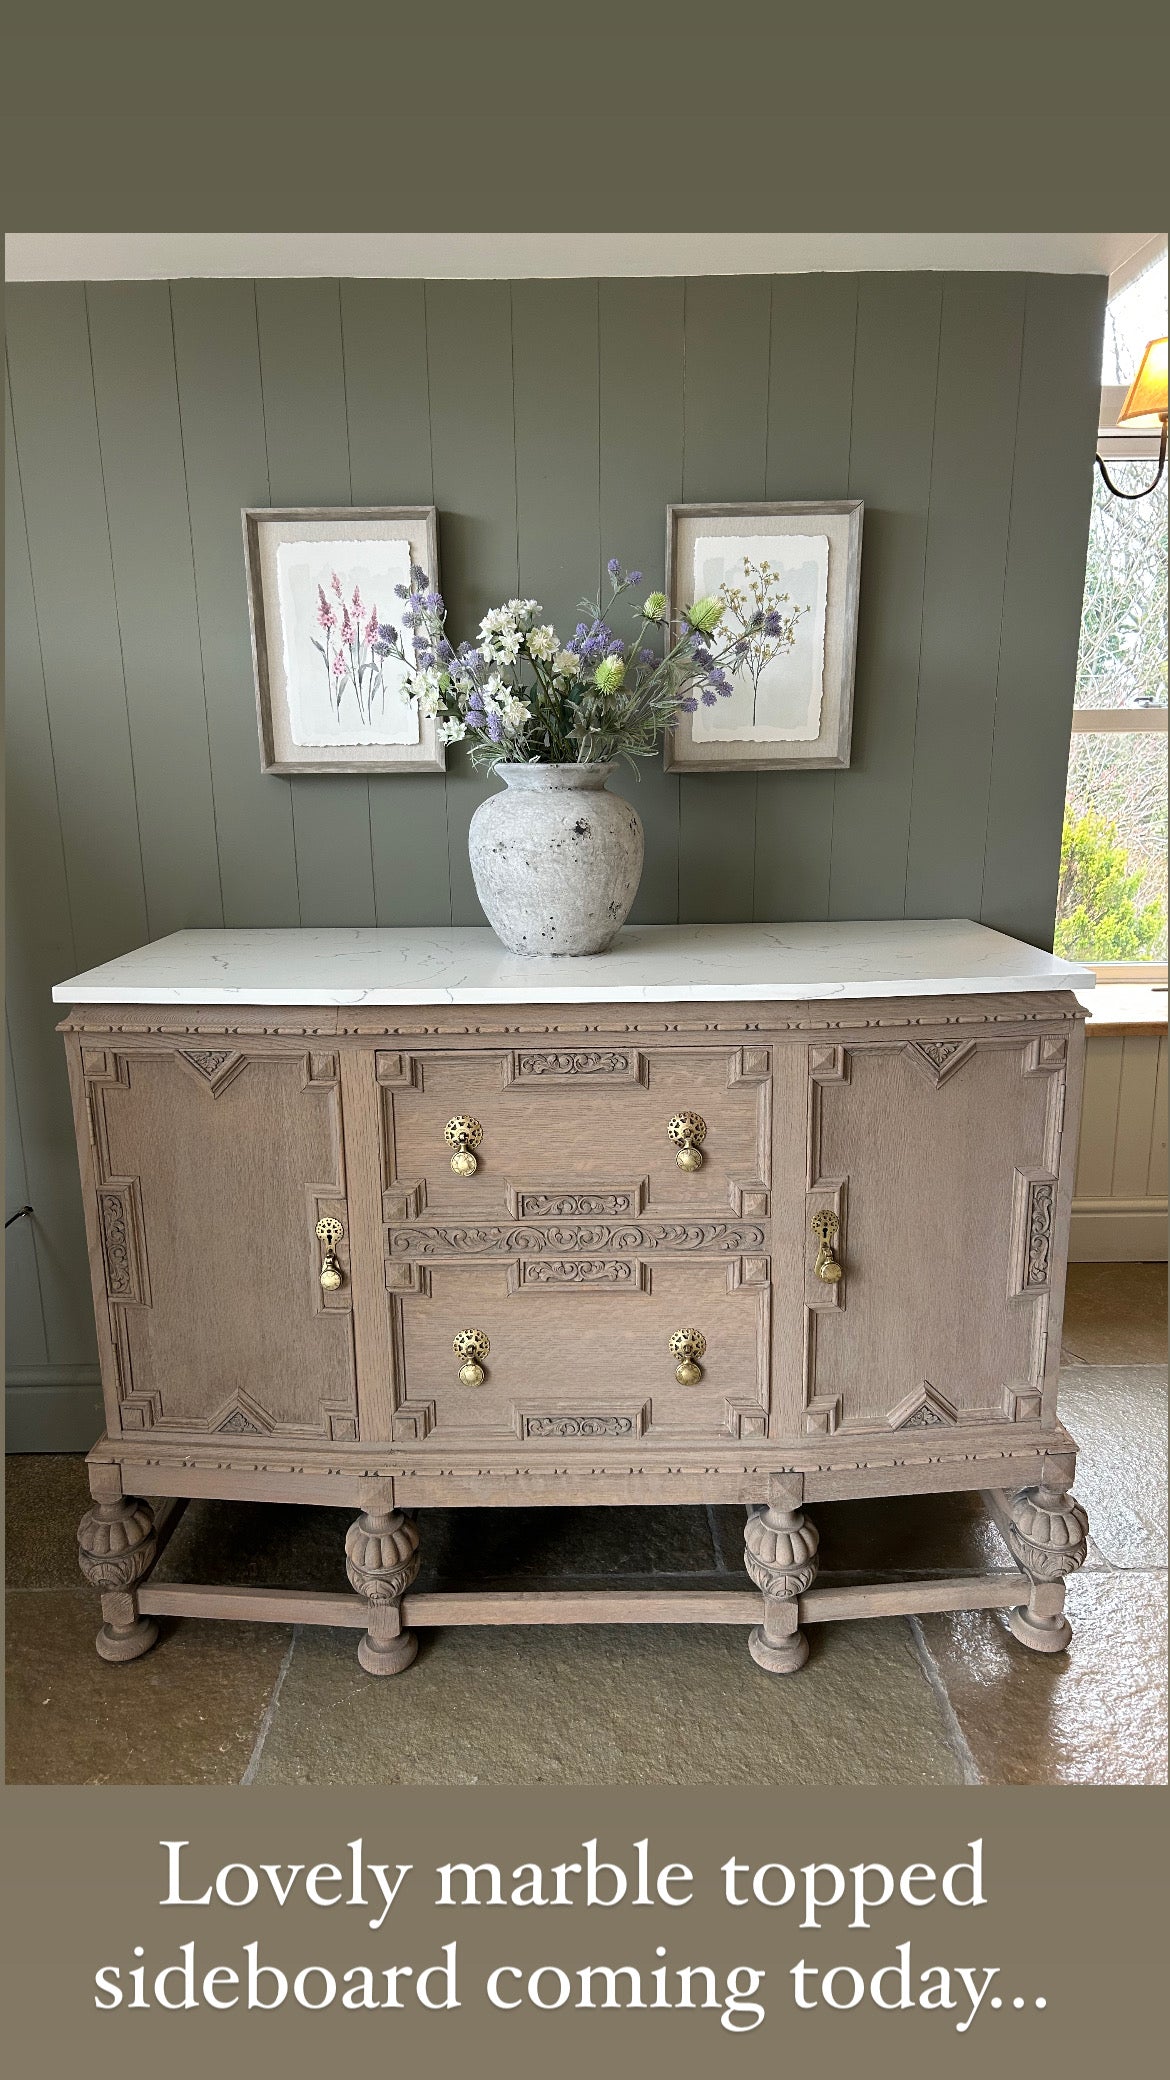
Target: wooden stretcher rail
(583,1607)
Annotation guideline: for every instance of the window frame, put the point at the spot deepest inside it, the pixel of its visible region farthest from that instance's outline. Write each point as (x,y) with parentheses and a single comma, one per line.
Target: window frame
(1123,444)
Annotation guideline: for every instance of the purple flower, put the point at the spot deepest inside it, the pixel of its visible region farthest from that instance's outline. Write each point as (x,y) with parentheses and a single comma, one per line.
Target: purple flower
(646,657)
(615,647)
(386,632)
(418,577)
(707,697)
(700,652)
(433,601)
(614,568)
(402,592)
(688,706)
(772,623)
(633,577)
(495,728)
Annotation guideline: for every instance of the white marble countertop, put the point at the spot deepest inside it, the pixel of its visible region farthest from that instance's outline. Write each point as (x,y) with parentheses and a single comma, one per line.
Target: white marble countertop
(466,964)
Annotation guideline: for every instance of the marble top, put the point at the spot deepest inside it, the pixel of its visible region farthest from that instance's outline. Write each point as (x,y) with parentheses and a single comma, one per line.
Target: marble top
(466,964)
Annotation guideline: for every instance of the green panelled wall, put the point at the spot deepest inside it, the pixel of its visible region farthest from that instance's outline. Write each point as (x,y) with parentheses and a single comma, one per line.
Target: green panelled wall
(550,422)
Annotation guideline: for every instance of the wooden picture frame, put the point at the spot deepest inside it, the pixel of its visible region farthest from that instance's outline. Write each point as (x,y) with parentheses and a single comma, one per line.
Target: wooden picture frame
(343,713)
(808,684)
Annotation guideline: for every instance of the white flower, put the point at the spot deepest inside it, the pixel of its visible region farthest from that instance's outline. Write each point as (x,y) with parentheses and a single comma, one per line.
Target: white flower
(451,731)
(495,691)
(515,712)
(542,642)
(506,647)
(566,664)
(523,611)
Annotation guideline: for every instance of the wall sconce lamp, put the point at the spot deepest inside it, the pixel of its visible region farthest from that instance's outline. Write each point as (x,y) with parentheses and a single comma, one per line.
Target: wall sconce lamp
(1145,399)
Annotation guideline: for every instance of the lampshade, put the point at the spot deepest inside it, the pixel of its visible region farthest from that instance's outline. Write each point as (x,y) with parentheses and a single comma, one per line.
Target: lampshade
(1146,397)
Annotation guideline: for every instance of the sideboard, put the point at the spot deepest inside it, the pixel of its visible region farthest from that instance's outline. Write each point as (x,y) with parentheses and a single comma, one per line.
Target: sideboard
(760,1214)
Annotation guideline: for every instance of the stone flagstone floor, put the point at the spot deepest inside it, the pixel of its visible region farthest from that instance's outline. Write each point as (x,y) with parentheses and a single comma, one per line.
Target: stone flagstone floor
(941,1699)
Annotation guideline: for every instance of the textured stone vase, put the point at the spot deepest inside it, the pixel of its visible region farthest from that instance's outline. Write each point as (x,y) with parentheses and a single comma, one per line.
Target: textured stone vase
(556,860)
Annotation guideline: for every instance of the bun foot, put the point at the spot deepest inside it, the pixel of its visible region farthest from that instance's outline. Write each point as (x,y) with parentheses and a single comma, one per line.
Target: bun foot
(779,1657)
(387,1657)
(126,1642)
(1043,1635)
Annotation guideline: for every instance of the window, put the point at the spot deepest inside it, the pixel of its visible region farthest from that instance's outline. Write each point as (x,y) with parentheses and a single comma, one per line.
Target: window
(1111,911)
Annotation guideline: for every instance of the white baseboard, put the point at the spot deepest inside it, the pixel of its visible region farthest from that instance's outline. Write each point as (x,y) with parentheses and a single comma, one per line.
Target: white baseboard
(1118,1231)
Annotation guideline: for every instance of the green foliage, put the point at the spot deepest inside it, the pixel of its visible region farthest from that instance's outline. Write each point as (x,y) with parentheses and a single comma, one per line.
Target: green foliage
(1099,916)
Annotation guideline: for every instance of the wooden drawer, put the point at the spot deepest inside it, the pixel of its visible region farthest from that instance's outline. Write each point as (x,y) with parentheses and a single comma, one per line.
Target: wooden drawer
(575,1130)
(580,1350)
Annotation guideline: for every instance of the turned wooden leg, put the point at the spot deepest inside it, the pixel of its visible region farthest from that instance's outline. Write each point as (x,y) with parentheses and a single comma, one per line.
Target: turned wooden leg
(780,1554)
(1047,1531)
(381,1560)
(115,1549)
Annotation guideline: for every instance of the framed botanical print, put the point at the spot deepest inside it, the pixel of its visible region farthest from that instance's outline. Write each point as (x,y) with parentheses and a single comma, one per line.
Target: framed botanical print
(324,585)
(787,576)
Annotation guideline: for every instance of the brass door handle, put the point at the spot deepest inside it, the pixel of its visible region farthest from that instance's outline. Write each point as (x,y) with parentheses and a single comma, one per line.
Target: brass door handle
(464,1136)
(330,1232)
(472,1346)
(825,1226)
(688,1345)
(687,1130)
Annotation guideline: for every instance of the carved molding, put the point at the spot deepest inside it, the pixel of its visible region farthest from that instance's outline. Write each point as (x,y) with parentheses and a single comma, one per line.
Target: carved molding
(823,1415)
(1048,1532)
(116,1544)
(745,1418)
(577,1274)
(123,1251)
(939,1059)
(566,1424)
(1022,1405)
(215,1068)
(412,1421)
(728,1237)
(1041,1207)
(925,1408)
(554,1065)
(571,1202)
(749,1065)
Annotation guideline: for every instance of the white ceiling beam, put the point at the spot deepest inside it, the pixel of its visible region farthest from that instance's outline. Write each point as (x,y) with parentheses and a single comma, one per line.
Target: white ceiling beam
(56,256)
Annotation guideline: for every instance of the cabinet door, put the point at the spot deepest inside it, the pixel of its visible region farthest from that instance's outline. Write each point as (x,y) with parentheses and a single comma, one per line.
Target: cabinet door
(210,1167)
(940,1159)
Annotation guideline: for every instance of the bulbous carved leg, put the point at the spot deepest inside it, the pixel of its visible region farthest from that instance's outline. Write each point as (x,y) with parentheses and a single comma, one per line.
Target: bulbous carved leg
(115,1549)
(1047,1531)
(780,1554)
(381,1560)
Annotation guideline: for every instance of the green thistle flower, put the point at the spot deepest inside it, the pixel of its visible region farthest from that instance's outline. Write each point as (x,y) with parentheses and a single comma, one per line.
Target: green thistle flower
(705,615)
(655,607)
(609,674)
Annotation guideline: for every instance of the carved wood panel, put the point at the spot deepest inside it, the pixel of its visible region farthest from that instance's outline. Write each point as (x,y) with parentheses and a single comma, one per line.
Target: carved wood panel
(940,1160)
(564,1121)
(211,1169)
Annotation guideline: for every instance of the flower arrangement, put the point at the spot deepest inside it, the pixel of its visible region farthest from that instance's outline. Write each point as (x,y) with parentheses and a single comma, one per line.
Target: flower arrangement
(519,695)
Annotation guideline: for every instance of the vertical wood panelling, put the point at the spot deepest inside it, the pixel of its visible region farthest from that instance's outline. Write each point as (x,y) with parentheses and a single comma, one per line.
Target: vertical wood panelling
(1156,1177)
(303,378)
(25,1342)
(640,327)
(1135,1115)
(473,442)
(551,423)
(388,412)
(810,416)
(554,358)
(46,1260)
(1094,1178)
(890,468)
(725,446)
(69,549)
(221,410)
(1059,406)
(154,578)
(966,564)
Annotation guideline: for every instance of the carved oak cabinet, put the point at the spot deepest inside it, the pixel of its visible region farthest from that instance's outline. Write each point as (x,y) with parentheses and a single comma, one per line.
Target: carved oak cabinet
(758,1214)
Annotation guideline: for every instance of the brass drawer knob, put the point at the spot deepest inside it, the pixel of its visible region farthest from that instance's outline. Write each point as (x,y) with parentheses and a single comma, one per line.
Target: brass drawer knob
(687,1130)
(330,1232)
(464,1136)
(472,1346)
(688,1345)
(825,1226)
